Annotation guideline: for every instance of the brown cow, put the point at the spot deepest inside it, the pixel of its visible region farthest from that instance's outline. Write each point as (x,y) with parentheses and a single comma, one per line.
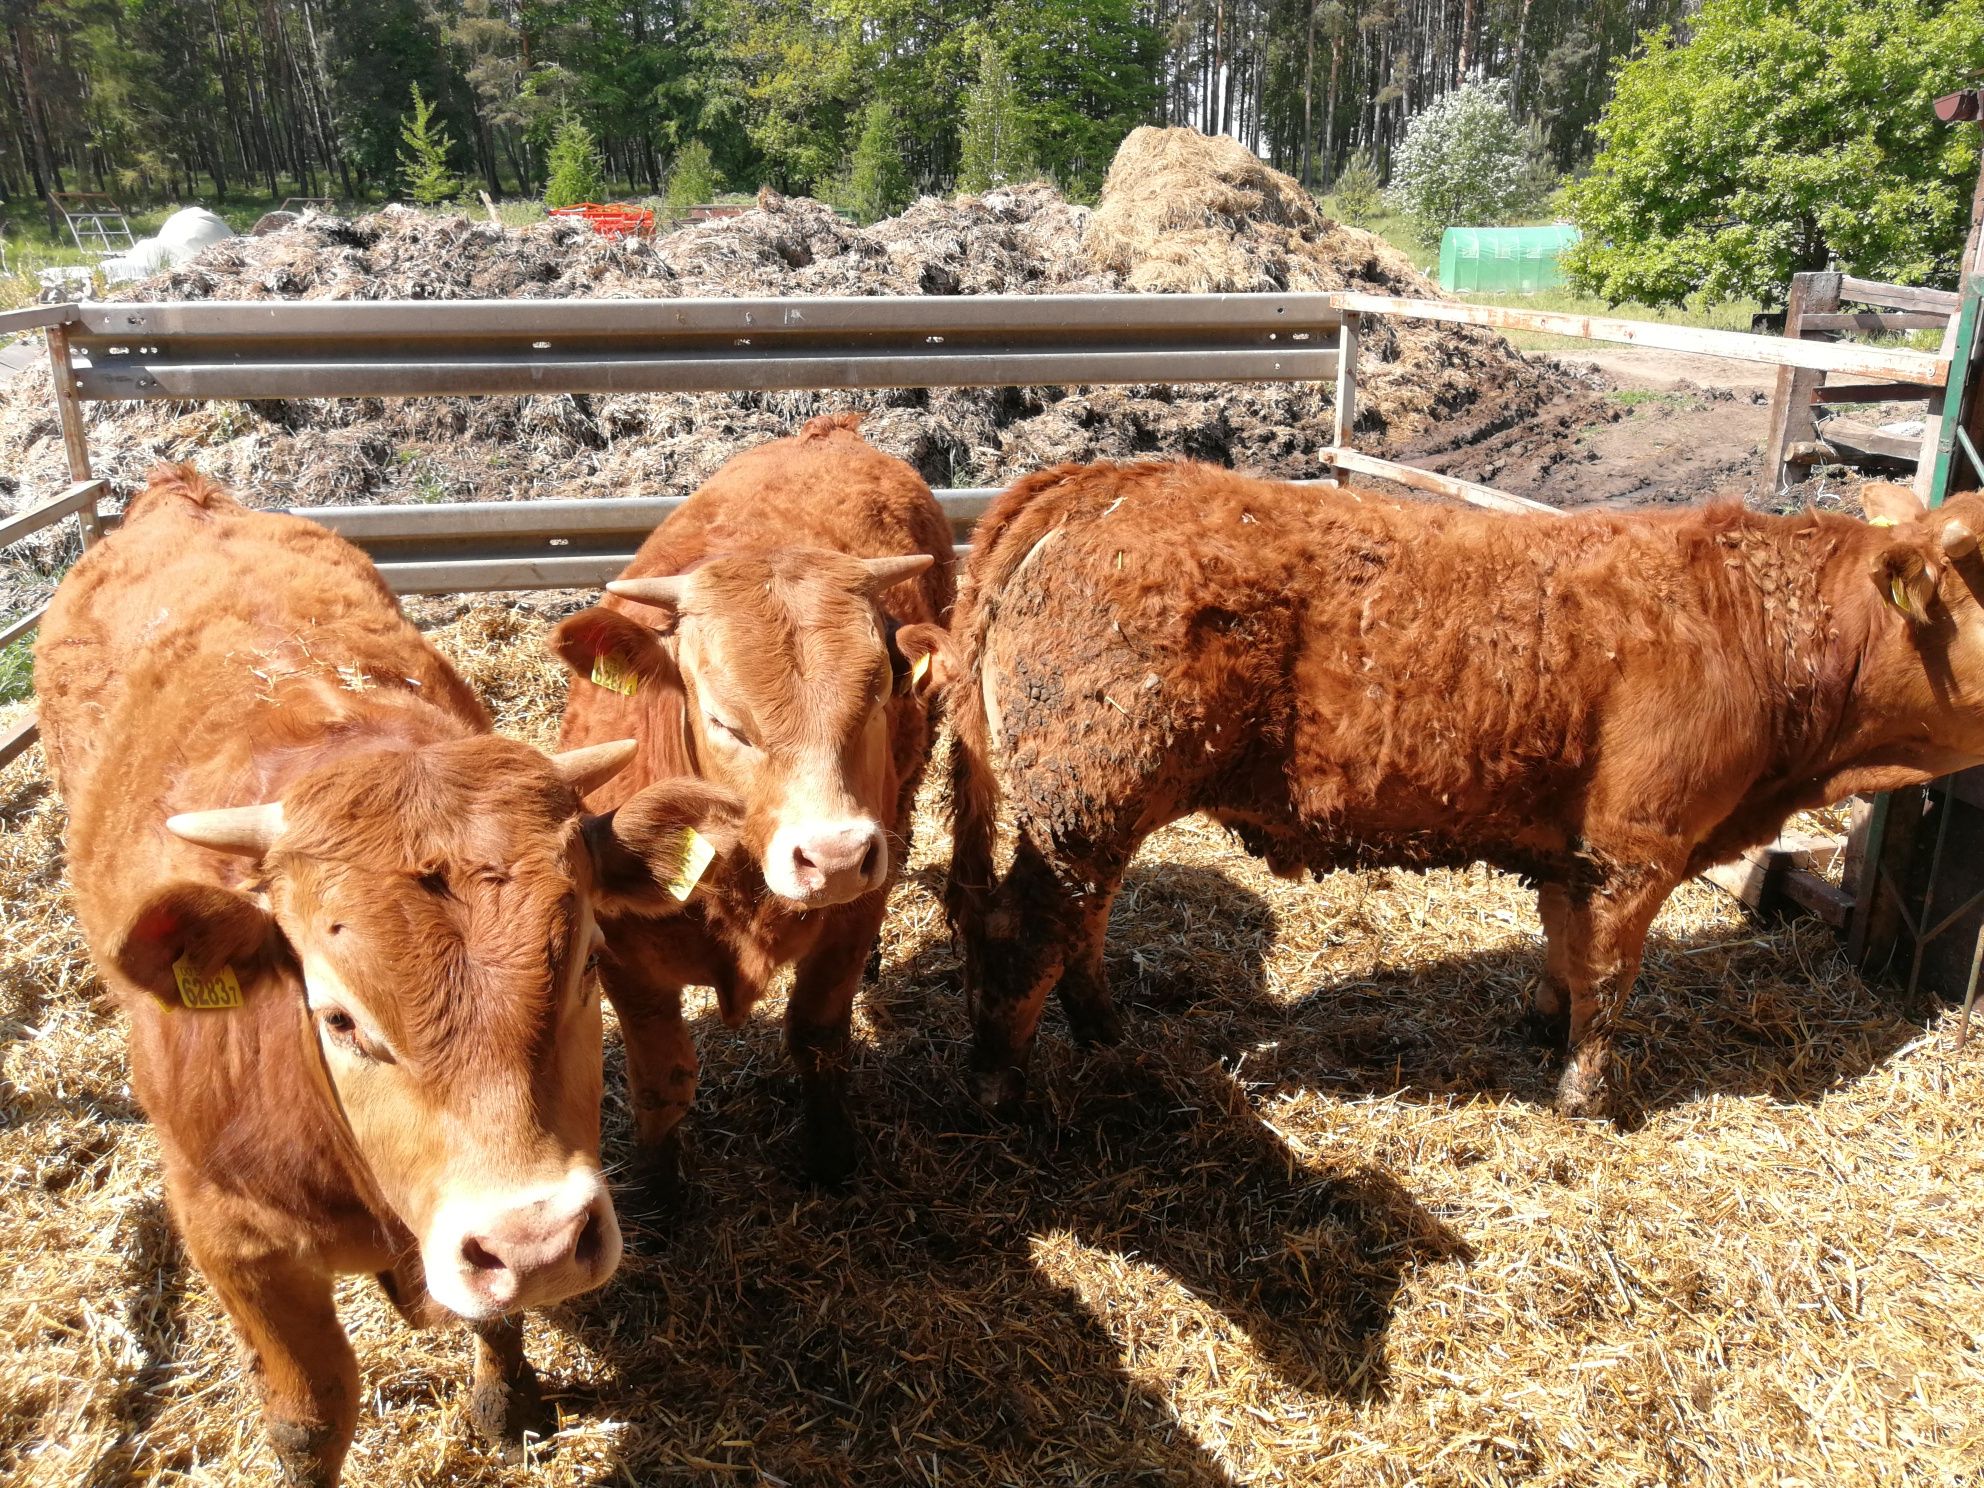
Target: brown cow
(766,638)
(350,926)
(1605,703)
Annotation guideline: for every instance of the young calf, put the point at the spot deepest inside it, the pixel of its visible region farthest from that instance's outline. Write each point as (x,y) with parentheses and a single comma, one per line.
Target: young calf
(351,927)
(779,635)
(1605,703)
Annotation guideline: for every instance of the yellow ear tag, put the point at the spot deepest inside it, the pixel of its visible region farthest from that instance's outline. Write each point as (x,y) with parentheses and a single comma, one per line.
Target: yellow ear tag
(916,672)
(1899,594)
(614,675)
(220,990)
(698,852)
(1880,521)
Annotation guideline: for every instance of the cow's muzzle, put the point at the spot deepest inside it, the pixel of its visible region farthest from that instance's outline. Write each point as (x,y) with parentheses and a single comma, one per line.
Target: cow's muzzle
(824,863)
(525,1250)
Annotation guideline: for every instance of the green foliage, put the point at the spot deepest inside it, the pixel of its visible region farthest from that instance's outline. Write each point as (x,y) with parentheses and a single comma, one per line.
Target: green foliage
(1464,162)
(692,178)
(992,143)
(424,152)
(17,671)
(876,184)
(1358,196)
(1781,136)
(575,172)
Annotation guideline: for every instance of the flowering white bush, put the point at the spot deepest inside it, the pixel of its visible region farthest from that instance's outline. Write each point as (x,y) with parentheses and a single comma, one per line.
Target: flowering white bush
(1464,162)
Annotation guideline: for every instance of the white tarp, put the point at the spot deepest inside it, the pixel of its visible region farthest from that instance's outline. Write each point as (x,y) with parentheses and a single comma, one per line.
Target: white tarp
(181,237)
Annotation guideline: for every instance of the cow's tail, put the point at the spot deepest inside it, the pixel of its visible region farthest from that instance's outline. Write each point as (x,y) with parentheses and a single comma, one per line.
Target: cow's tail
(179,488)
(1017,522)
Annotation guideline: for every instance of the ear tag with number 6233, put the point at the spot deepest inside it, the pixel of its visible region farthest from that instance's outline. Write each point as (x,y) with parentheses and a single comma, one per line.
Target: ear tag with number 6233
(221,990)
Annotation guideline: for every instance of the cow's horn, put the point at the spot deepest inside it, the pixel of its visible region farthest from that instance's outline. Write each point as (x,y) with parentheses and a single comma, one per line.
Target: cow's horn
(883,572)
(666,591)
(1958,540)
(589,768)
(236,829)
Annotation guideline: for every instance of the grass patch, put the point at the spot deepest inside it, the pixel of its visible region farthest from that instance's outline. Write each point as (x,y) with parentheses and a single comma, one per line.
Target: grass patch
(17,670)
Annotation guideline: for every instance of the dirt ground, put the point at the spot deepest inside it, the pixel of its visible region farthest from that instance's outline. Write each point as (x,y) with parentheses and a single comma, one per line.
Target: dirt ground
(1637,427)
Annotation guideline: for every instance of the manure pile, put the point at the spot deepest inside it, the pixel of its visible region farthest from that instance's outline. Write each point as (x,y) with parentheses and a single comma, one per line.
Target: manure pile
(1180,213)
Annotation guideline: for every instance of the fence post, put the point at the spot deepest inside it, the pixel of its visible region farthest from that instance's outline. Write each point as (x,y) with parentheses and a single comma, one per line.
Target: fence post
(1346,377)
(70,410)
(1791,405)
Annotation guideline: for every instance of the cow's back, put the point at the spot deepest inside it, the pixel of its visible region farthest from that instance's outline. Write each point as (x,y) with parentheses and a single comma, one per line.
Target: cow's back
(159,662)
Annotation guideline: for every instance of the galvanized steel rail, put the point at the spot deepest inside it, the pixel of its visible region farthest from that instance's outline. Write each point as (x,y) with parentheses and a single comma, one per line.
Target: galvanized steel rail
(423,348)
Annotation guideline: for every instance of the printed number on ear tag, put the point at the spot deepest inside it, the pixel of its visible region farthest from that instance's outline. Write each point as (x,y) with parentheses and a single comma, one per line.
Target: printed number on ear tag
(614,675)
(697,854)
(220,990)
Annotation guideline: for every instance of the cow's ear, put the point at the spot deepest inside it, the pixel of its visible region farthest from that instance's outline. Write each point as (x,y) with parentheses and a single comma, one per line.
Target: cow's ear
(614,651)
(649,854)
(930,660)
(197,945)
(1889,505)
(1906,577)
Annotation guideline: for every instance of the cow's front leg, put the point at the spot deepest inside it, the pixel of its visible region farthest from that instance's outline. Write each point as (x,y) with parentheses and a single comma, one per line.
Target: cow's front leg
(818,1017)
(1013,956)
(662,1069)
(1608,935)
(504,1398)
(1550,1012)
(298,1356)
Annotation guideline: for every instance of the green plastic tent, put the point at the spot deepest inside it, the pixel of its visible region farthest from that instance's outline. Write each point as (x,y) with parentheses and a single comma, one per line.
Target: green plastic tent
(1503,260)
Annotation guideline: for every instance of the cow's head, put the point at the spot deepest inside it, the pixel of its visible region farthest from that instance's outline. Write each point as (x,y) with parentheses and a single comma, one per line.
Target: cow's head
(437,907)
(784,665)
(1928,570)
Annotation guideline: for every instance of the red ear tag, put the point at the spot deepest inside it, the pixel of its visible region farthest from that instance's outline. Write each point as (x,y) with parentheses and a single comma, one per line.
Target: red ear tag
(221,990)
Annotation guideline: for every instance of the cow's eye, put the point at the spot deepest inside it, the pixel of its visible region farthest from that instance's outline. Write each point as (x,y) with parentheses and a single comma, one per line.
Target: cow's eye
(342,1029)
(728,729)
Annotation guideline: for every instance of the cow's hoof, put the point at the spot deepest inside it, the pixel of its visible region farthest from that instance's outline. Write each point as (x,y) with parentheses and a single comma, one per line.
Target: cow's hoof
(1545,1029)
(506,1412)
(832,1151)
(1096,1027)
(656,1172)
(1585,1089)
(1000,1092)
(303,1455)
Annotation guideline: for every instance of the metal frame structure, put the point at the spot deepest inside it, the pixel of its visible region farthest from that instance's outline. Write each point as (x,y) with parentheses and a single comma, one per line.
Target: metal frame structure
(99,218)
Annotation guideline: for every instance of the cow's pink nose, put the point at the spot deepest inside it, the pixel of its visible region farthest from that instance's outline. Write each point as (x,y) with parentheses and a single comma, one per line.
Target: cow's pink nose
(539,1253)
(842,863)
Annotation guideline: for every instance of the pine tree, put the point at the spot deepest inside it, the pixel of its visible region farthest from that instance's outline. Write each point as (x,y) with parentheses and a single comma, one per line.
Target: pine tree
(577,174)
(424,162)
(877,178)
(692,179)
(993,146)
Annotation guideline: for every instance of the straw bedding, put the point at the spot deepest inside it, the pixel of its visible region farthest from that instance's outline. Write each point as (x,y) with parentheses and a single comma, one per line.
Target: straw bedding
(1314,1222)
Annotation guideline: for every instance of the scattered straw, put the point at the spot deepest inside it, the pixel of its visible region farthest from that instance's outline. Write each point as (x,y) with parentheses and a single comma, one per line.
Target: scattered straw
(1313,1223)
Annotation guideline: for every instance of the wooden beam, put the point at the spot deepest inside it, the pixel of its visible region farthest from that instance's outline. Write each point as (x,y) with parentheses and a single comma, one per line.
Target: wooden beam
(1898,296)
(1854,437)
(1872,392)
(19,739)
(1764,877)
(1346,379)
(1877,321)
(1847,357)
(1437,484)
(1791,399)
